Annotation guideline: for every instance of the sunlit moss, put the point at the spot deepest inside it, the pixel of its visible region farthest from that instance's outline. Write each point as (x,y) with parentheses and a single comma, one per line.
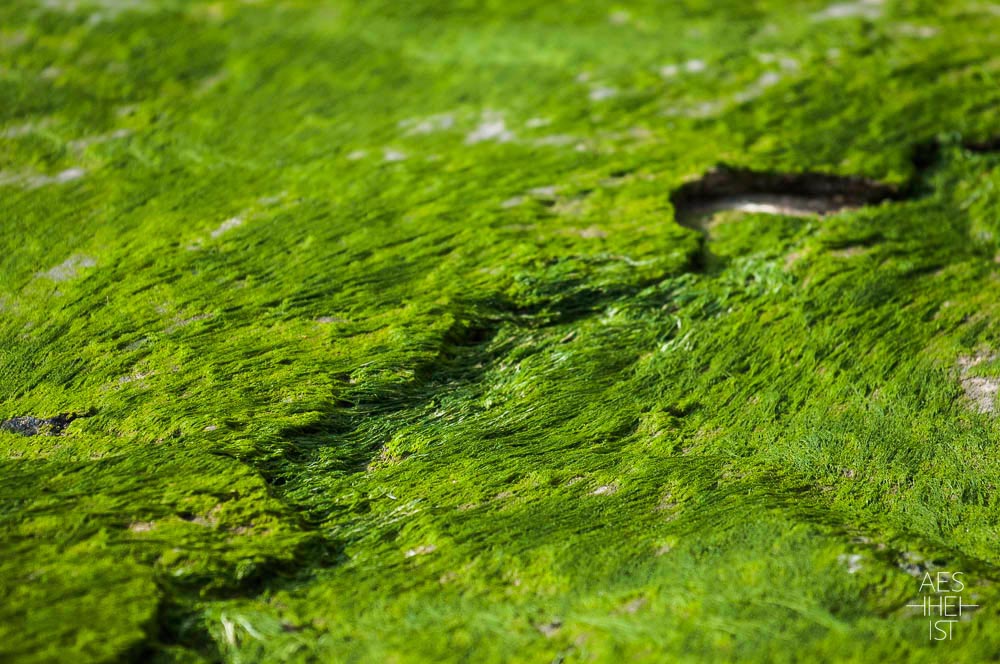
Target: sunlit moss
(390,348)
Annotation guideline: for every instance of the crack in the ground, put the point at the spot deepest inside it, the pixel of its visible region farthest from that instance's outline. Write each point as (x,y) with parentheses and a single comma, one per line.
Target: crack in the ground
(799,194)
(793,194)
(807,194)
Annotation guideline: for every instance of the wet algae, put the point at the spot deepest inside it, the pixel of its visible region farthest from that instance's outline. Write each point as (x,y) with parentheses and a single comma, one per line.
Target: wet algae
(382,340)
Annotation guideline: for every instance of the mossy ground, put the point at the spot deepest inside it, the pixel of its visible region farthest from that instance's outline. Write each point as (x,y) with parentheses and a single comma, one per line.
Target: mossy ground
(391,349)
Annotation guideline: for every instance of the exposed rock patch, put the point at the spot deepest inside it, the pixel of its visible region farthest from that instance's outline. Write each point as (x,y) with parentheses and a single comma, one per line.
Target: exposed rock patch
(981,391)
(69,268)
(28,425)
(866,9)
(32,180)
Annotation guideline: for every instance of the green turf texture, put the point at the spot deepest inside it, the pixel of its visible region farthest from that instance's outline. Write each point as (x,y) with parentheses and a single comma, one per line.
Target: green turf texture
(392,350)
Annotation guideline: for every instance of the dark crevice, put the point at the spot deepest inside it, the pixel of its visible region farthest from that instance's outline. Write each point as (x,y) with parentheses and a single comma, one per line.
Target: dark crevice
(795,194)
(798,194)
(801,194)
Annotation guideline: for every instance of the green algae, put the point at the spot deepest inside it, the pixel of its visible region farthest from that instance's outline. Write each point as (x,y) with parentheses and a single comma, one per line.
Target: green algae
(392,350)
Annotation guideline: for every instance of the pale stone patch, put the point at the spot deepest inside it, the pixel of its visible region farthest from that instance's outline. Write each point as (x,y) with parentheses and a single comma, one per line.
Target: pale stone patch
(134,377)
(788,206)
(428,125)
(968,361)
(605,490)
(107,10)
(544,192)
(549,629)
(868,9)
(619,17)
(852,561)
(707,109)
(704,109)
(88,141)
(29,180)
(919,31)
(555,140)
(691,67)
(601,93)
(17,131)
(982,392)
(757,88)
(391,155)
(784,62)
(635,605)
(69,175)
(979,390)
(491,128)
(572,207)
(209,520)
(69,268)
(111,7)
(184,322)
(421,550)
(669,71)
(592,232)
(272,200)
(227,225)
(534,123)
(667,503)
(356,155)
(138,343)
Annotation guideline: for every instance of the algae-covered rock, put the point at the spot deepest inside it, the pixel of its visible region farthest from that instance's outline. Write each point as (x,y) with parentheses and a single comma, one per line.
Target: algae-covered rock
(447,331)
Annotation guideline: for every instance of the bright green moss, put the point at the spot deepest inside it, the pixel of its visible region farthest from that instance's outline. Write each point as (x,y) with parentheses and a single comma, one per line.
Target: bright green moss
(393,351)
